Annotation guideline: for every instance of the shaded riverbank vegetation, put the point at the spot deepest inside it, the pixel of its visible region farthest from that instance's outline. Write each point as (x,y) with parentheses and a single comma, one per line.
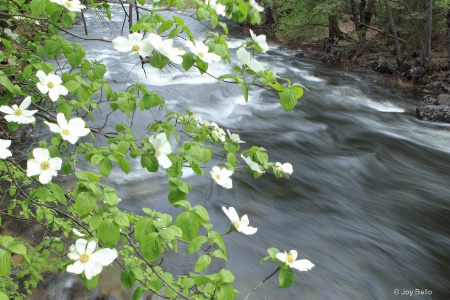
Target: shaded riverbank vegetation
(407,38)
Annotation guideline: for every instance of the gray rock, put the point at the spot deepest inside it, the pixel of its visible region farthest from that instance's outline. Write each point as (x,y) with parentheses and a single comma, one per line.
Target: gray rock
(443,99)
(434,113)
(416,72)
(387,67)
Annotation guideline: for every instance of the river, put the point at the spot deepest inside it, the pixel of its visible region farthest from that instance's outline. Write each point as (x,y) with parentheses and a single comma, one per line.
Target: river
(368,202)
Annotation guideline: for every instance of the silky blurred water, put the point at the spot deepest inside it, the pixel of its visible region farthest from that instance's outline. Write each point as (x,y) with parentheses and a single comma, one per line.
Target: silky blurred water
(368,202)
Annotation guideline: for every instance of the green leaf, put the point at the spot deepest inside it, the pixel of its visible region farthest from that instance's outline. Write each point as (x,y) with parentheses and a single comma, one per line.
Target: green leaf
(128,279)
(5,262)
(150,163)
(139,292)
(58,193)
(219,254)
(6,83)
(151,246)
(99,71)
(92,283)
(202,263)
(226,292)
(166,25)
(286,277)
(202,213)
(37,7)
(122,219)
(123,147)
(75,59)
(289,97)
(244,86)
(189,223)
(3,296)
(196,243)
(105,167)
(215,237)
(189,60)
(124,165)
(72,85)
(85,202)
(202,13)
(158,61)
(108,233)
(18,248)
(226,276)
(144,226)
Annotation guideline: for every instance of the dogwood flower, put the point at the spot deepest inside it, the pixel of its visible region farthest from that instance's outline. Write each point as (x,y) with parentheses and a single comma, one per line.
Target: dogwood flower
(162,149)
(19,114)
(252,165)
(88,261)
(222,177)
(219,8)
(70,131)
(286,167)
(201,50)
(255,6)
(235,137)
(244,57)
(260,40)
(133,43)
(43,165)
(4,152)
(50,84)
(76,232)
(165,48)
(217,132)
(13,36)
(70,5)
(290,260)
(241,225)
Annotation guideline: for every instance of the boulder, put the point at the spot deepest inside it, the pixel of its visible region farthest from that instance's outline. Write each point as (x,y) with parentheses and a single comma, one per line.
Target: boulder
(434,109)
(387,67)
(416,72)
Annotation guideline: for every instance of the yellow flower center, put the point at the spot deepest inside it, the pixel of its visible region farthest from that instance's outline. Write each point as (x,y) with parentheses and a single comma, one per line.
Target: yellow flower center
(289,258)
(237,224)
(135,48)
(201,55)
(158,152)
(45,165)
(84,258)
(65,131)
(18,112)
(50,85)
(218,176)
(69,3)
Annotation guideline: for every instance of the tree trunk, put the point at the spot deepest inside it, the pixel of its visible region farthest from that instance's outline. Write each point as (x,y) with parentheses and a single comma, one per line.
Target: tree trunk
(448,37)
(394,32)
(355,15)
(333,28)
(426,34)
(362,12)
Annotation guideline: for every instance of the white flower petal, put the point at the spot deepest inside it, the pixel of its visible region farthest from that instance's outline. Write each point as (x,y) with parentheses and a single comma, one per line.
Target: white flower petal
(45,177)
(25,103)
(122,44)
(281,256)
(303,265)
(249,230)
(77,267)
(90,248)
(243,55)
(104,256)
(80,246)
(164,161)
(73,255)
(7,110)
(33,167)
(41,154)
(92,269)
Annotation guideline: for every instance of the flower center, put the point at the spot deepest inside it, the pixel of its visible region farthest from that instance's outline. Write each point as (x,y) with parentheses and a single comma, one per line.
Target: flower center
(201,55)
(158,152)
(50,85)
(289,258)
(45,165)
(84,258)
(135,48)
(18,112)
(237,224)
(69,3)
(65,131)
(218,176)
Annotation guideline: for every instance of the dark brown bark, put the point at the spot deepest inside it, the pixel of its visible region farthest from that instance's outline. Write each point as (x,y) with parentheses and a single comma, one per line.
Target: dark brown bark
(426,34)
(398,53)
(333,28)
(448,38)
(355,14)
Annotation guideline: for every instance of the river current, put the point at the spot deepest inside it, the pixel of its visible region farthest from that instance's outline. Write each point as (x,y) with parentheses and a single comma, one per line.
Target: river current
(368,202)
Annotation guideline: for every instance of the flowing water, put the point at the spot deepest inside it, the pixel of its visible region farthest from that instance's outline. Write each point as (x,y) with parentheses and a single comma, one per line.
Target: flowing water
(368,202)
